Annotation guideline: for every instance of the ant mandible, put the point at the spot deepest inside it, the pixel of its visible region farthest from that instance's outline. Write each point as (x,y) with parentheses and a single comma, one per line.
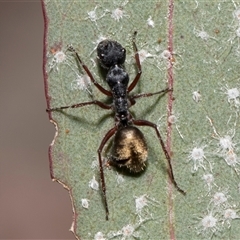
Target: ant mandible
(129,148)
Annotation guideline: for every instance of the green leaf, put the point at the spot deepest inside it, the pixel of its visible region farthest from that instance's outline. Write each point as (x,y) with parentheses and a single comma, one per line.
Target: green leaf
(192,46)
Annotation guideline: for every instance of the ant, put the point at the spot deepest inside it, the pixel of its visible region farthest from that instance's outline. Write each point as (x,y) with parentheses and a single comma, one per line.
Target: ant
(129,148)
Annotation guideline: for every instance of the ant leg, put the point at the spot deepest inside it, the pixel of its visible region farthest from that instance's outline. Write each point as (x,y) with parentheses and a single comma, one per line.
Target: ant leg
(151,94)
(170,170)
(100,104)
(132,98)
(100,88)
(105,139)
(136,79)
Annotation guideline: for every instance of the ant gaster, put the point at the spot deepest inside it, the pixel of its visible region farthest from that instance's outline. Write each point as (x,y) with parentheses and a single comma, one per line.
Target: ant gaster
(129,148)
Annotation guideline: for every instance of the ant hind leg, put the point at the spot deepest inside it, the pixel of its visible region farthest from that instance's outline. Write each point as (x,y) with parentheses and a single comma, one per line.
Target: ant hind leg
(170,170)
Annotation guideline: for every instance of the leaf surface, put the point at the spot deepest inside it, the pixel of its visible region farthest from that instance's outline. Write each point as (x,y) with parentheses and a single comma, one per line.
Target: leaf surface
(190,46)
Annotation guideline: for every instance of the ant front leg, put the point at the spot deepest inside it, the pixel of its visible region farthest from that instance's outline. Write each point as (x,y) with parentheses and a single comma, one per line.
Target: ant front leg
(100,88)
(136,79)
(170,170)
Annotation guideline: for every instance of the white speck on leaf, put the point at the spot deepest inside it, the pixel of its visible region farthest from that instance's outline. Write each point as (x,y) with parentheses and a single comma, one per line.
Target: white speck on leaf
(94,184)
(150,22)
(85,203)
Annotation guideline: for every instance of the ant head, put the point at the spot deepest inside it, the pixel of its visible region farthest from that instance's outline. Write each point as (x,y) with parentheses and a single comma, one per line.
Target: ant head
(110,53)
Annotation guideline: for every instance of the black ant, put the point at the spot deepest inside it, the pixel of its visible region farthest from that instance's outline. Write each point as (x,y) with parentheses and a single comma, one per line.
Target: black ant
(129,148)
